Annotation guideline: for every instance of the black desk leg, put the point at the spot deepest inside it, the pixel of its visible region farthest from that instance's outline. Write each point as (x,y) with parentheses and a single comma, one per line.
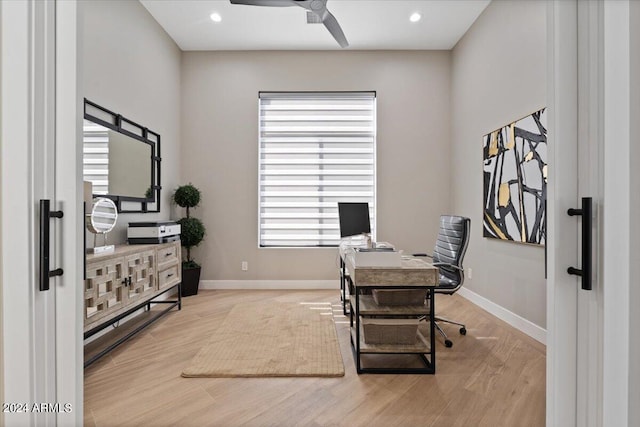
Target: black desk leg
(432,328)
(357,314)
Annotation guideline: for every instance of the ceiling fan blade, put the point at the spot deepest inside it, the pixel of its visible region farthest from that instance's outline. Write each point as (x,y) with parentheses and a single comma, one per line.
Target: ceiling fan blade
(271,3)
(332,25)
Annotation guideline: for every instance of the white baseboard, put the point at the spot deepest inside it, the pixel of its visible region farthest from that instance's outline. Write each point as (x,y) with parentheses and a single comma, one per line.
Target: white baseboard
(270,284)
(534,331)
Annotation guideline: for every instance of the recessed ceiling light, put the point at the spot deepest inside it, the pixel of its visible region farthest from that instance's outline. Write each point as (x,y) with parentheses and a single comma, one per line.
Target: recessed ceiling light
(415,17)
(215,17)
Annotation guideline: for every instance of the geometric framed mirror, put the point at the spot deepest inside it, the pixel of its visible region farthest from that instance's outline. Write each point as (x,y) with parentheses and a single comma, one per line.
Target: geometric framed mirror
(121,159)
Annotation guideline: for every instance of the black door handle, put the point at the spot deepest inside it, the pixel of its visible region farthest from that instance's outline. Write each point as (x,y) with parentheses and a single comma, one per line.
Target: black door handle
(585,271)
(45,216)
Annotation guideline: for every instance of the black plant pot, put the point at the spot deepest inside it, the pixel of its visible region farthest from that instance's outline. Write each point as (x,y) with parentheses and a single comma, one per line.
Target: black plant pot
(190,281)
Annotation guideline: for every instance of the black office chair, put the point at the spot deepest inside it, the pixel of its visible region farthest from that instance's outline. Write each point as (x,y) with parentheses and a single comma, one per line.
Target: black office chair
(453,239)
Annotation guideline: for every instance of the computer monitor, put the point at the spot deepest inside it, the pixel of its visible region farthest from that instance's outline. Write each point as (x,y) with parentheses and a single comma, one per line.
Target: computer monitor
(354,218)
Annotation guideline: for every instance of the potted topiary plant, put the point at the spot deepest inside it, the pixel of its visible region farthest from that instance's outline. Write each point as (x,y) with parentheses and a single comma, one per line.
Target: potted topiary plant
(191,234)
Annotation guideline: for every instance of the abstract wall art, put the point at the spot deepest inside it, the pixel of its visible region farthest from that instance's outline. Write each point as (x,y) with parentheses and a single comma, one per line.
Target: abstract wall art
(515,181)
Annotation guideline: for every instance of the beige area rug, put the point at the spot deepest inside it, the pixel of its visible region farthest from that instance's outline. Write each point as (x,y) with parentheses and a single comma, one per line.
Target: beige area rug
(272,339)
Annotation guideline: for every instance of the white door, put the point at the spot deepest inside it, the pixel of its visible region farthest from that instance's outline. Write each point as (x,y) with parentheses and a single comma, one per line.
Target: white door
(588,330)
(40,118)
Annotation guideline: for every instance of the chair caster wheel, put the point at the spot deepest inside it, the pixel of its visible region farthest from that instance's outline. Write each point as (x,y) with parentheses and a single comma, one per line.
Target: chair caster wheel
(463,331)
(448,343)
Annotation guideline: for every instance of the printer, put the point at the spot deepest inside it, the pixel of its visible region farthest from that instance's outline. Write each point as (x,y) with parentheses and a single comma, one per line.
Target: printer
(152,232)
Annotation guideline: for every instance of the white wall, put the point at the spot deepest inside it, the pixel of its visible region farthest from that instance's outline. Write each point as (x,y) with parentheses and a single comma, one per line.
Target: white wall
(1,258)
(1,317)
(132,67)
(498,76)
(220,149)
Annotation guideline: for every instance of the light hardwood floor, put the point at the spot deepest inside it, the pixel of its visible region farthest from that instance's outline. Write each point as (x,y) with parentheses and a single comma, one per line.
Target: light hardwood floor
(493,376)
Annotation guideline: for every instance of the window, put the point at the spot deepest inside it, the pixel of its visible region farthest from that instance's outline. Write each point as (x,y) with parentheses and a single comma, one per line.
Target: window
(316,149)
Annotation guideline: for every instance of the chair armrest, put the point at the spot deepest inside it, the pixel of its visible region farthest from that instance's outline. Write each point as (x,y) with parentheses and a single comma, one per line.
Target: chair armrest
(444,264)
(423,254)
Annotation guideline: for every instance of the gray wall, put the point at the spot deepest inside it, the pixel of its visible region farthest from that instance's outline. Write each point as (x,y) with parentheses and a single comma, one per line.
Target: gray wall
(131,66)
(220,146)
(634,289)
(498,76)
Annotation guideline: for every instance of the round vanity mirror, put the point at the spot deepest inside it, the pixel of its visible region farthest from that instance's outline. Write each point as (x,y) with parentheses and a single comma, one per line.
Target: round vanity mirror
(101,220)
(103,216)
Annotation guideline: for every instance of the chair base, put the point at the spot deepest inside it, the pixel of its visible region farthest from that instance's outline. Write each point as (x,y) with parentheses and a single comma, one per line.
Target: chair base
(447,342)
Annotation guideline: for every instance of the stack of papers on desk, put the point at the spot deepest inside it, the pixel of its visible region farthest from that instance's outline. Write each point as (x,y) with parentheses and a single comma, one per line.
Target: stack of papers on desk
(367,257)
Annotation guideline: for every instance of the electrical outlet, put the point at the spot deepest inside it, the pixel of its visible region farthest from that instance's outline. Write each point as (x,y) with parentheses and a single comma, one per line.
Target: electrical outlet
(470,272)
(245,266)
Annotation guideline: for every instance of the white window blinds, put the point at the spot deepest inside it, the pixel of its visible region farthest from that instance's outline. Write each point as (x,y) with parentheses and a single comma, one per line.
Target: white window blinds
(316,149)
(95,159)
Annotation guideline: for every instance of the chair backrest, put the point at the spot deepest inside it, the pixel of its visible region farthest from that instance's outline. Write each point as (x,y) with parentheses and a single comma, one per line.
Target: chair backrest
(451,246)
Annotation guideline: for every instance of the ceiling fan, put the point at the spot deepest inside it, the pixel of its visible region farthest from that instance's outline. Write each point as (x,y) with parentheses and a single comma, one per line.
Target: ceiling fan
(316,13)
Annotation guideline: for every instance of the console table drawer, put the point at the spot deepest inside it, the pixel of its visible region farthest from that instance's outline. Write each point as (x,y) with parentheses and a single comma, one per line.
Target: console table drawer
(169,276)
(168,255)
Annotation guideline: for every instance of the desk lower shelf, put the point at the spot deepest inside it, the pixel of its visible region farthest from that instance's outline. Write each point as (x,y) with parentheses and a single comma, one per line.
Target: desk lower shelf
(369,307)
(420,347)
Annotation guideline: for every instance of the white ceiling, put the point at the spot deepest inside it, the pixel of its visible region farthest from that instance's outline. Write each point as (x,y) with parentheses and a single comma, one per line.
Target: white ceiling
(367,24)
